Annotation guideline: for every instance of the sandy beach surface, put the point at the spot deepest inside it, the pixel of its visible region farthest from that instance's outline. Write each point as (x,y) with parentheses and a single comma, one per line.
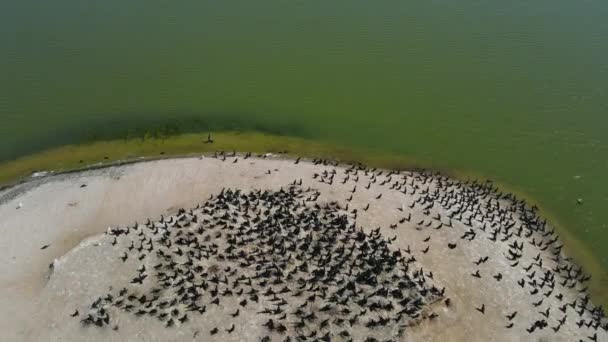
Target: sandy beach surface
(59,258)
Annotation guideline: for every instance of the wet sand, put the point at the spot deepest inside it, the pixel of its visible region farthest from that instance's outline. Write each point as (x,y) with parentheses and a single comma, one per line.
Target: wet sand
(71,219)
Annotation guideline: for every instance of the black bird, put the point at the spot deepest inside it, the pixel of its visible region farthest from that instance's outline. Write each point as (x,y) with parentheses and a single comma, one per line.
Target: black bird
(476,274)
(451,245)
(45,247)
(511,316)
(269,324)
(231,329)
(481,309)
(213,331)
(209,141)
(169,323)
(74,314)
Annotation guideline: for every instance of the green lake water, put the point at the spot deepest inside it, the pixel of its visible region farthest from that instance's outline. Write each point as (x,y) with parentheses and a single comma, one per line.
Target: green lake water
(514,90)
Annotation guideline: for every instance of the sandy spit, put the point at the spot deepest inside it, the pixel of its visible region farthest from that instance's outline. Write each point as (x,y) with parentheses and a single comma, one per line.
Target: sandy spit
(60,221)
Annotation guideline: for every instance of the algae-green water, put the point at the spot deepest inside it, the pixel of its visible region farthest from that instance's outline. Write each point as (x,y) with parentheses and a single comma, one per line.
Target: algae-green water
(513,90)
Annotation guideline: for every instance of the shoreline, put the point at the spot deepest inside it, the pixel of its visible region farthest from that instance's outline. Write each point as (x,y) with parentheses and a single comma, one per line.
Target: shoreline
(116,196)
(65,160)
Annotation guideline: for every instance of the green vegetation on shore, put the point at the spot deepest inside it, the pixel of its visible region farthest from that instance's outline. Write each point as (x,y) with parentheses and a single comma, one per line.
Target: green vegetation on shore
(154,145)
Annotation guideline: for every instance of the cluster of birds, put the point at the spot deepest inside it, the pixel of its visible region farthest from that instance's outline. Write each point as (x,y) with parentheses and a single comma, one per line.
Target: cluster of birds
(311,274)
(486,213)
(304,267)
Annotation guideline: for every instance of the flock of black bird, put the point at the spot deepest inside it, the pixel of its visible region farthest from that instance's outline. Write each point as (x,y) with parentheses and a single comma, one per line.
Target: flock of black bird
(306,272)
(269,251)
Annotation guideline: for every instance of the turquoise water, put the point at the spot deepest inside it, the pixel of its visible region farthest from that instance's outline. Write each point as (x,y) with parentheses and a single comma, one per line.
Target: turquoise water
(515,90)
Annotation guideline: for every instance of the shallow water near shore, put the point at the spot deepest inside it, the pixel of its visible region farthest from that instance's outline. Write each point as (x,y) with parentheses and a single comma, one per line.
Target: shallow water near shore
(513,91)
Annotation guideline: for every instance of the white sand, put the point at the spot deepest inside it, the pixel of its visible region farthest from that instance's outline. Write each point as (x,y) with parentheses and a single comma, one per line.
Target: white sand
(58,212)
